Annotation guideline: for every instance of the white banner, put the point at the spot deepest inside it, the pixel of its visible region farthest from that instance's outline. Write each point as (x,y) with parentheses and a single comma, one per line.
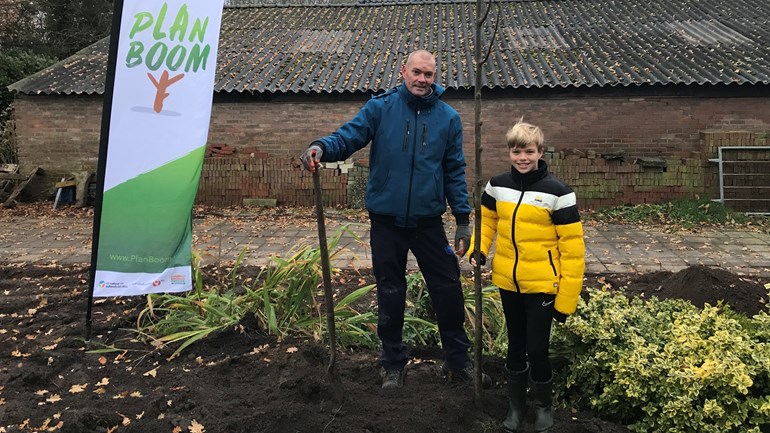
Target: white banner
(161,109)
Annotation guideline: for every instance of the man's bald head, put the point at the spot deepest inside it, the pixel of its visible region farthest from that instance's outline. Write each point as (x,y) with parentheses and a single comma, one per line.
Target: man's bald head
(419,72)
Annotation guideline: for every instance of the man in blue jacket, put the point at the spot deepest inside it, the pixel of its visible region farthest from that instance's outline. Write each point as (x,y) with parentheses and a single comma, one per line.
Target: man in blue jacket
(416,166)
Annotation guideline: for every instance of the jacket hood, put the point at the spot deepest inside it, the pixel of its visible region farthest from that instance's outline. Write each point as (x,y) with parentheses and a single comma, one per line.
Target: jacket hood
(420,101)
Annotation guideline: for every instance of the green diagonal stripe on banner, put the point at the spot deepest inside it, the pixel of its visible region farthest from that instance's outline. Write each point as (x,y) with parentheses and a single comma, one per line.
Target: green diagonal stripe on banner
(147,221)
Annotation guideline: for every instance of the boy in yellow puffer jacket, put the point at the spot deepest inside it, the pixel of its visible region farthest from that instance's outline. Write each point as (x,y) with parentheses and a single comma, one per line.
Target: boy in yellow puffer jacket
(538,265)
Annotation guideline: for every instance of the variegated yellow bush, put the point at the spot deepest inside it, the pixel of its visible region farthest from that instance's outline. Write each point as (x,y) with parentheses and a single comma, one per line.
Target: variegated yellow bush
(667,366)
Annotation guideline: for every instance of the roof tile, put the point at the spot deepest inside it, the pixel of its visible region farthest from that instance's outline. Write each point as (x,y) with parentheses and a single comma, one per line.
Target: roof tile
(358,46)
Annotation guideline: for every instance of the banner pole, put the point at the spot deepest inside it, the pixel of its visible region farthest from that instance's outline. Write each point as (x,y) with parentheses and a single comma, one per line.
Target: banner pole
(109,88)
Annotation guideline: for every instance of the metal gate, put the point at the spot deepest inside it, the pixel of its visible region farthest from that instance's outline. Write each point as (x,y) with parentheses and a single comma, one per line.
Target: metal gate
(744,178)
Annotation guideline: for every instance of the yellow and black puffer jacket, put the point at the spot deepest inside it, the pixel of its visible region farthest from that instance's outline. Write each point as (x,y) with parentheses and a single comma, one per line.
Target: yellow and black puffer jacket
(539,246)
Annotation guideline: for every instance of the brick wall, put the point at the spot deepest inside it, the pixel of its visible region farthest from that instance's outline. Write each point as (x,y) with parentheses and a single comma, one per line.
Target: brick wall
(61,134)
(58,134)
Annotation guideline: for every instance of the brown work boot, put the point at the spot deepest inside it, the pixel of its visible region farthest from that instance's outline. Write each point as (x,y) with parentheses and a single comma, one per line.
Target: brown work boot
(467,375)
(392,379)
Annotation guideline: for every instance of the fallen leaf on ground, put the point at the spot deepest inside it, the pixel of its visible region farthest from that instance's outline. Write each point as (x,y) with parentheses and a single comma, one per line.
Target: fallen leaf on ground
(126,420)
(153,372)
(196,427)
(53,398)
(78,388)
(120,357)
(105,381)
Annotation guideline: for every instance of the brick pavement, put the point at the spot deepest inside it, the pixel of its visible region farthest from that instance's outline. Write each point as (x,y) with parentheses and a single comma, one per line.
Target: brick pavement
(609,248)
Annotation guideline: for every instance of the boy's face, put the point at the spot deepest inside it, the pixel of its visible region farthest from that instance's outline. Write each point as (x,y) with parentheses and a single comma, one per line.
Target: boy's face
(524,159)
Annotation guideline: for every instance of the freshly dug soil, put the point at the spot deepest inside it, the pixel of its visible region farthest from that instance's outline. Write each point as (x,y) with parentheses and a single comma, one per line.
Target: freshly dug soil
(239,380)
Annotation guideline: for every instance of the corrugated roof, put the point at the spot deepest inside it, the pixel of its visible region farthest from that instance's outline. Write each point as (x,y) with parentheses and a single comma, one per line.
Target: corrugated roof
(277,46)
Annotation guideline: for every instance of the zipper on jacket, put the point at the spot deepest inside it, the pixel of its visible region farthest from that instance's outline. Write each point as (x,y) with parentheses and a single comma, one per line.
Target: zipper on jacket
(550,260)
(513,238)
(424,133)
(406,135)
(411,171)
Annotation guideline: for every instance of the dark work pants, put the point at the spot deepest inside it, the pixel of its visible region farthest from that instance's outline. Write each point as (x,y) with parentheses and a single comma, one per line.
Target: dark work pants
(528,320)
(438,264)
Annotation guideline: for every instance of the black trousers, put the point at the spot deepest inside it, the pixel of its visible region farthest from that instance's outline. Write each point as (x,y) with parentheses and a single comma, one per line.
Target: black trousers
(439,266)
(528,320)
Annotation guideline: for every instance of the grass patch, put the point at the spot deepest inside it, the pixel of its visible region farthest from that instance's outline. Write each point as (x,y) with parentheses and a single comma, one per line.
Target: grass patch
(685,214)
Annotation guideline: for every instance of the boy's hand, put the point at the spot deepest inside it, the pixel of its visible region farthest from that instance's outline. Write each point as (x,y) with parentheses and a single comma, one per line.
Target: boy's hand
(311,158)
(478,257)
(559,316)
(462,239)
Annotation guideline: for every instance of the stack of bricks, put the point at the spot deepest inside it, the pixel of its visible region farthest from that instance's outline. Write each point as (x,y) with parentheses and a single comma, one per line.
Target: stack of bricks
(219,150)
(600,182)
(233,179)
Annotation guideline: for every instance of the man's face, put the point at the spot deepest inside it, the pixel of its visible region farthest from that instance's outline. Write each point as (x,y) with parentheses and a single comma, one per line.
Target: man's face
(419,73)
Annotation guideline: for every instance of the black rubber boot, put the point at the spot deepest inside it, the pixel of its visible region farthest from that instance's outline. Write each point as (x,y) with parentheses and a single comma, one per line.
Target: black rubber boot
(517,398)
(541,396)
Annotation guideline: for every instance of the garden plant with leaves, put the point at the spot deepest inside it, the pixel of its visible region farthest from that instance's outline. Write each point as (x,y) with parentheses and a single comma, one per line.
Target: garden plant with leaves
(666,365)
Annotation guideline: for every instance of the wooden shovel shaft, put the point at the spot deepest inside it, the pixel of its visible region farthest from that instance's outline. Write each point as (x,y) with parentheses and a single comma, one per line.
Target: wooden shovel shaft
(325,266)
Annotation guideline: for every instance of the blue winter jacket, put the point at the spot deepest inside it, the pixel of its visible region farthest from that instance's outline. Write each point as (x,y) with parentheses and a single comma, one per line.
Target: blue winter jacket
(416,161)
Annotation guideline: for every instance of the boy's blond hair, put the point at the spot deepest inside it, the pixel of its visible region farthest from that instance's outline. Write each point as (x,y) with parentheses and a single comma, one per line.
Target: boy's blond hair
(523,134)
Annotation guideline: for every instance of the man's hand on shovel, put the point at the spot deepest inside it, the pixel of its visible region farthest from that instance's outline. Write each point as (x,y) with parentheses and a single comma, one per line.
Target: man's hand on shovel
(311,158)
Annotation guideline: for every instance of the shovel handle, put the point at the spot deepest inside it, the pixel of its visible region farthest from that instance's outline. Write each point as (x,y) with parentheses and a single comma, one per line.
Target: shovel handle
(325,266)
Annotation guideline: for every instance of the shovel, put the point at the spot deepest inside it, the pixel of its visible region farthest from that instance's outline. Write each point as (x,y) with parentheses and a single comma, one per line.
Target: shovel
(334,378)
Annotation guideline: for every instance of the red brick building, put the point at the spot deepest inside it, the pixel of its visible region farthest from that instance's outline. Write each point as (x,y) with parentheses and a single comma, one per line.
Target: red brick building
(632,113)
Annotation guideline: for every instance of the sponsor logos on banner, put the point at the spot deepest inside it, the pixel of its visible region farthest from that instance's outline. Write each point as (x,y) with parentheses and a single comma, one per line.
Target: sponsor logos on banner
(175,279)
(110,285)
(153,283)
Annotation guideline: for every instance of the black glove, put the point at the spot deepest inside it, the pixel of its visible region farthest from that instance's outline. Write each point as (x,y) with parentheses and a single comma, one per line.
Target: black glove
(311,158)
(463,233)
(559,316)
(480,257)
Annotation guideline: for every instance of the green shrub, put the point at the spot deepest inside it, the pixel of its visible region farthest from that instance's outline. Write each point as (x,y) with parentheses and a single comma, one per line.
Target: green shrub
(170,318)
(283,298)
(685,213)
(494,334)
(667,366)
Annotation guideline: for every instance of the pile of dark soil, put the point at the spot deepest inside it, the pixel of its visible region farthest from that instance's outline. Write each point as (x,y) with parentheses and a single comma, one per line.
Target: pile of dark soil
(698,284)
(240,380)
